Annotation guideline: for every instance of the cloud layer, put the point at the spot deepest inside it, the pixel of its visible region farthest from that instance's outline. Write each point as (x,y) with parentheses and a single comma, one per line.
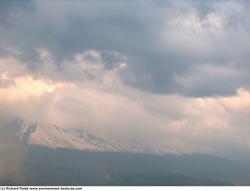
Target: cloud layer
(162,40)
(171,74)
(89,96)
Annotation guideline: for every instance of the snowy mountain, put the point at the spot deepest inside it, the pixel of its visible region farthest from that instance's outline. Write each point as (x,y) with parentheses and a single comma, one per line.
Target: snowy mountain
(75,139)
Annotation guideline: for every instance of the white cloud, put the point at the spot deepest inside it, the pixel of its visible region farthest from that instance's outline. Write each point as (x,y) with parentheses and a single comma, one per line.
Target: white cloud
(210,35)
(214,125)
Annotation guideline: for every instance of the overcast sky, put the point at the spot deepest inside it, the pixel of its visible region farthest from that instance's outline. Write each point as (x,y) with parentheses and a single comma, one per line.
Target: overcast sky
(171,74)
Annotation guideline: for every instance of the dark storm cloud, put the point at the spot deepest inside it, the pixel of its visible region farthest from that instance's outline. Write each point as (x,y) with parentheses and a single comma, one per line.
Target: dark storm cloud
(10,6)
(162,40)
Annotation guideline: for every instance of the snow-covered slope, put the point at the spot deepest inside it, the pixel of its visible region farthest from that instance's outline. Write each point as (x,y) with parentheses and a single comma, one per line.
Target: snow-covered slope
(57,137)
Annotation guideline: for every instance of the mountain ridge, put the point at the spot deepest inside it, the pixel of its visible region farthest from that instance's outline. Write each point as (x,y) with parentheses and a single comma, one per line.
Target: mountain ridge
(54,136)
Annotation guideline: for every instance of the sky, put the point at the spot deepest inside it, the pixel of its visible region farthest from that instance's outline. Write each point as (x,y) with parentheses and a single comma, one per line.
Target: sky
(168,74)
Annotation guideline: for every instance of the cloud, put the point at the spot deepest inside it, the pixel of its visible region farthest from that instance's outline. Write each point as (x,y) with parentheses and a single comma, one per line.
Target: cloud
(161,40)
(97,100)
(214,77)
(172,74)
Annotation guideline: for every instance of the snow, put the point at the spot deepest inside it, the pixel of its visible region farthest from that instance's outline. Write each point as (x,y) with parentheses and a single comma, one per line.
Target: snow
(75,139)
